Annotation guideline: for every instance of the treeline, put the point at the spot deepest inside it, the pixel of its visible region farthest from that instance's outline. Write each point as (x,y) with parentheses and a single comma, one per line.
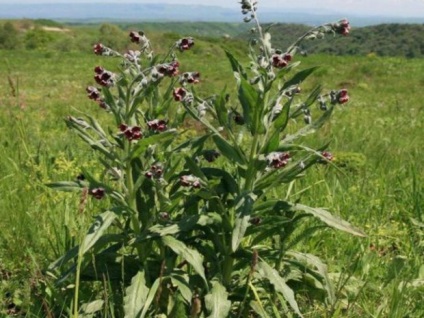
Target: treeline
(382,40)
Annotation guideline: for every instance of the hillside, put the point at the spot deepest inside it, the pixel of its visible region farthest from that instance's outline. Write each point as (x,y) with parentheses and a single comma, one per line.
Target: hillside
(383,40)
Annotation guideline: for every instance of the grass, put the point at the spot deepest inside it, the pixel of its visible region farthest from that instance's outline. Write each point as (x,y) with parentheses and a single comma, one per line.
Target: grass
(376,182)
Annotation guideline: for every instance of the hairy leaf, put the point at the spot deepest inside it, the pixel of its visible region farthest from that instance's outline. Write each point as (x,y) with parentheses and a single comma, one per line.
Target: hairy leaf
(217,302)
(270,274)
(136,295)
(192,256)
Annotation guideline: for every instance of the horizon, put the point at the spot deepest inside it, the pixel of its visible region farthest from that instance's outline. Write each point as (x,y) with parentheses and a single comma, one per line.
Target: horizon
(392,8)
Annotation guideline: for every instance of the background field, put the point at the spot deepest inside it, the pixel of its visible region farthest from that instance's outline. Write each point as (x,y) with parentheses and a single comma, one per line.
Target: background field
(376,182)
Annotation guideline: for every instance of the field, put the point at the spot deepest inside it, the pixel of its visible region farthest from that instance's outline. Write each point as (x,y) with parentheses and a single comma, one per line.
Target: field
(376,181)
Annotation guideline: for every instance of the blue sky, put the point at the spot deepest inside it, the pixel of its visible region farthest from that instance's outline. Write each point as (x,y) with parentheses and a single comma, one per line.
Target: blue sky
(397,8)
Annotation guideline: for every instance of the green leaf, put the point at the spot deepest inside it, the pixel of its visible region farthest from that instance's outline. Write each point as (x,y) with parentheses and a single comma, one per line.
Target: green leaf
(100,225)
(312,261)
(181,280)
(228,150)
(220,109)
(144,143)
(217,302)
(252,109)
(195,169)
(67,186)
(150,297)
(270,274)
(235,65)
(244,209)
(136,295)
(92,307)
(329,219)
(298,78)
(186,224)
(192,256)
(228,181)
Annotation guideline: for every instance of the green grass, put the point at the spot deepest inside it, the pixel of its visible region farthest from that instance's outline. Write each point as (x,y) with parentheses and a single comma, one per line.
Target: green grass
(376,181)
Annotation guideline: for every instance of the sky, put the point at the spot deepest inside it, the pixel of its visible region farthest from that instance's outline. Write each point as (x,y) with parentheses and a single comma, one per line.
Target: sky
(396,8)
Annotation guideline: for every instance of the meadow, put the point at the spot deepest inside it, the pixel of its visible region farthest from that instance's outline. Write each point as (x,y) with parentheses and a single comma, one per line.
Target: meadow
(376,181)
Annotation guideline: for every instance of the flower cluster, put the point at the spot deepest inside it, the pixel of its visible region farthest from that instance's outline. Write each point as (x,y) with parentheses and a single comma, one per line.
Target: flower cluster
(131,132)
(248,6)
(184,44)
(155,171)
(97,193)
(280,60)
(190,77)
(104,77)
(157,125)
(168,69)
(342,27)
(94,94)
(278,159)
(190,181)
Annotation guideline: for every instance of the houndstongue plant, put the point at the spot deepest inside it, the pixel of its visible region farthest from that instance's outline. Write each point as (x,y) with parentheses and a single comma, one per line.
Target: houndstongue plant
(198,226)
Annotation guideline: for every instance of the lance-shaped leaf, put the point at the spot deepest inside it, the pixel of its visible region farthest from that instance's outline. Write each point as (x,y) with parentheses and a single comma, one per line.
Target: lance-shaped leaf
(268,273)
(192,256)
(252,109)
(329,219)
(235,65)
(100,225)
(228,150)
(217,302)
(67,186)
(136,295)
(244,209)
(312,261)
(298,78)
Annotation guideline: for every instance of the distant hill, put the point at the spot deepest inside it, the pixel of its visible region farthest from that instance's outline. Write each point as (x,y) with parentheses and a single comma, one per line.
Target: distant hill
(383,40)
(95,12)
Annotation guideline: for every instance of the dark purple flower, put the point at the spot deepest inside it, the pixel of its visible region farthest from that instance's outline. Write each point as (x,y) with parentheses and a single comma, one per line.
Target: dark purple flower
(157,125)
(97,193)
(342,27)
(185,44)
(131,132)
(99,49)
(280,60)
(93,93)
(137,36)
(179,94)
(190,77)
(278,159)
(342,96)
(104,77)
(169,69)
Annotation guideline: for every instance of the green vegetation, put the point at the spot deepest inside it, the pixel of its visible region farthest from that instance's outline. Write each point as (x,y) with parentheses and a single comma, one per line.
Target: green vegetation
(382,40)
(375,182)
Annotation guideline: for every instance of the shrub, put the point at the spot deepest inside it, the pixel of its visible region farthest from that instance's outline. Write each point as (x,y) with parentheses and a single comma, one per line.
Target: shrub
(199,227)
